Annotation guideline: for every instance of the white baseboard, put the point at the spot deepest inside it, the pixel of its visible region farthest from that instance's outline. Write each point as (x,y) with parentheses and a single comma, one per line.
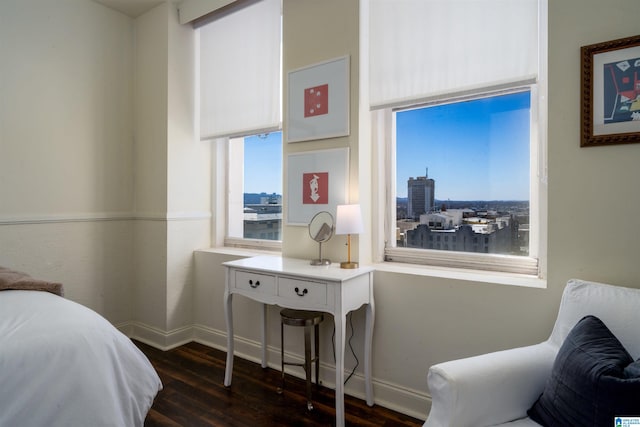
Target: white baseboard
(155,337)
(392,396)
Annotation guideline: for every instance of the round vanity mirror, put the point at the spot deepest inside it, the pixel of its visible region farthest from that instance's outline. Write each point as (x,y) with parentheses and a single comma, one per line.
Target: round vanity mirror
(321,230)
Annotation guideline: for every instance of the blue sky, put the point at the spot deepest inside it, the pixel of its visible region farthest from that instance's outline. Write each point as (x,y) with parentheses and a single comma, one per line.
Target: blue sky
(263,164)
(474,150)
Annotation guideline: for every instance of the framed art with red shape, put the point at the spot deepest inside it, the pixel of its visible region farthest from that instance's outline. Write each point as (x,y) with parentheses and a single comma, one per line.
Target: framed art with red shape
(316,181)
(318,101)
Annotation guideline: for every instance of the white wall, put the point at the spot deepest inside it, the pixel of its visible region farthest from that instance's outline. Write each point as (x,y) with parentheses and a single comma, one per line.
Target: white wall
(66,134)
(103,181)
(172,178)
(150,148)
(189,175)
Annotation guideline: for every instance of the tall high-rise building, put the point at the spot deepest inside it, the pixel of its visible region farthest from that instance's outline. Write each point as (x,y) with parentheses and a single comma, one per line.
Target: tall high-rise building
(421,194)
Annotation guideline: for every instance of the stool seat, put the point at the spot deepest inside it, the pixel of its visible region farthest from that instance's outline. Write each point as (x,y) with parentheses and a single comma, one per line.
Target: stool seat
(291,317)
(309,320)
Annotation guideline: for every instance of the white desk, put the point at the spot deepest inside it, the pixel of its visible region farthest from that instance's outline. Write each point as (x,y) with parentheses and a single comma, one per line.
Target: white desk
(294,283)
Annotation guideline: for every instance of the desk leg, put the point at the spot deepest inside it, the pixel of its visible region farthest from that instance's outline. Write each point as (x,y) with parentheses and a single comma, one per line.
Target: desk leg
(368,340)
(229,318)
(264,335)
(340,322)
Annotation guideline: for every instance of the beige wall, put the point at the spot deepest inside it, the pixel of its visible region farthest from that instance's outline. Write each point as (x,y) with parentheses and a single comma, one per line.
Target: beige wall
(313,32)
(587,185)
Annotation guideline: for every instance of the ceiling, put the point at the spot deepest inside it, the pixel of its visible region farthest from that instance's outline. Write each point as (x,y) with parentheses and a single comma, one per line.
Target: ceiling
(132,8)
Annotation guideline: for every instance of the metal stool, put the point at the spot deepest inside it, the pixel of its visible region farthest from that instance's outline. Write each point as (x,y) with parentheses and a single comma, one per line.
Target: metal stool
(307,319)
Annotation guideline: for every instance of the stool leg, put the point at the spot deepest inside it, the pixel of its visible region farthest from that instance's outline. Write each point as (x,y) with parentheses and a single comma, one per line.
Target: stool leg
(307,363)
(281,390)
(317,350)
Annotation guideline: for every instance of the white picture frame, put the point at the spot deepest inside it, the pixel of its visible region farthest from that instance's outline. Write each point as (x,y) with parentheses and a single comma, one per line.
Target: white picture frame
(330,169)
(328,82)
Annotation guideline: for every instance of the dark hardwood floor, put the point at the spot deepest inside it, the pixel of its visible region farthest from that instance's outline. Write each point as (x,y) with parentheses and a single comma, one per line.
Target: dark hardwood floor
(194,395)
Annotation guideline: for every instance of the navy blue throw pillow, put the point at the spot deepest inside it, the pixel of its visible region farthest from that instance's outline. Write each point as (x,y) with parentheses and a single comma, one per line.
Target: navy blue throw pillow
(589,385)
(633,370)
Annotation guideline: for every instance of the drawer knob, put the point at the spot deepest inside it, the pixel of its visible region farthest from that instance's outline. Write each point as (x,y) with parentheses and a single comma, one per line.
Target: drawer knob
(301,294)
(254,285)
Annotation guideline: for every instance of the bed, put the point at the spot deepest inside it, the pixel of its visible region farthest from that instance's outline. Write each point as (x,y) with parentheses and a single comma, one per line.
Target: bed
(62,364)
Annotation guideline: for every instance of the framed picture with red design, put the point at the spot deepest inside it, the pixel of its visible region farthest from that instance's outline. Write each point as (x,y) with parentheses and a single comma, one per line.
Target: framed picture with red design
(318,101)
(610,95)
(316,181)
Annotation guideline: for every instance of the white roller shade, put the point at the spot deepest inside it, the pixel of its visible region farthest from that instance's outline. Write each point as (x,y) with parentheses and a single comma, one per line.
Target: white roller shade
(240,72)
(423,50)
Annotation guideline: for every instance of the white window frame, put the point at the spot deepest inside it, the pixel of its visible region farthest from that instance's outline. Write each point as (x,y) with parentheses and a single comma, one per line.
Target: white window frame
(527,265)
(532,265)
(378,126)
(228,198)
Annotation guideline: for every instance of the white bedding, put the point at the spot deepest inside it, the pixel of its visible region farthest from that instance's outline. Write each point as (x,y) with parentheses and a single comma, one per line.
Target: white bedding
(62,364)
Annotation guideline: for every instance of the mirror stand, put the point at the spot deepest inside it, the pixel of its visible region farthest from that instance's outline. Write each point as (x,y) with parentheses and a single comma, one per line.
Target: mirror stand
(321,229)
(320,260)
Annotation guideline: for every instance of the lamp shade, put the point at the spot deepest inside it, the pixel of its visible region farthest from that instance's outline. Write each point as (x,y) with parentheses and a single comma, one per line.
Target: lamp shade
(349,220)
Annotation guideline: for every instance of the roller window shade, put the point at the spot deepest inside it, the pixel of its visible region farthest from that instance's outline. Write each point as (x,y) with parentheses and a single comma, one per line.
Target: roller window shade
(240,73)
(425,50)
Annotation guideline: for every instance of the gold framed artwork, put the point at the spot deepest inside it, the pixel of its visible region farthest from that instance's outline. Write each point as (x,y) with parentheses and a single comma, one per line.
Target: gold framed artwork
(610,96)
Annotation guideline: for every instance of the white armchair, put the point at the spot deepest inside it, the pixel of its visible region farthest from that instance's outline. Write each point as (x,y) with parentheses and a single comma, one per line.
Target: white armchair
(498,388)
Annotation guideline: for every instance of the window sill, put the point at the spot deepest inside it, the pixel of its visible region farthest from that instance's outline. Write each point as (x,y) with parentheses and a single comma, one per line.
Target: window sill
(244,252)
(511,279)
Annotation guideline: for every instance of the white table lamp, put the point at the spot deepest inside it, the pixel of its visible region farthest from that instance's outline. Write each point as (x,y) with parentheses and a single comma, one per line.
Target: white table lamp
(349,221)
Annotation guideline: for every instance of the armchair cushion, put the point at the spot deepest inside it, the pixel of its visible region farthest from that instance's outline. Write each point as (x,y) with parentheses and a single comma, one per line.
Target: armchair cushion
(587,386)
(488,389)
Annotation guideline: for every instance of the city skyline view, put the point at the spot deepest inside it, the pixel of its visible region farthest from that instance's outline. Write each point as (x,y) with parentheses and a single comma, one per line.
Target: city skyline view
(474,150)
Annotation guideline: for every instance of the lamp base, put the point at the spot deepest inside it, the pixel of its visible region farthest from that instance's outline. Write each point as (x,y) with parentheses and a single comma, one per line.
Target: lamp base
(322,261)
(347,264)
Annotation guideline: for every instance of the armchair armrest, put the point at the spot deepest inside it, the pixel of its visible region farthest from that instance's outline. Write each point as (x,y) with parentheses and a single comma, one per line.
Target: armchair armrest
(488,389)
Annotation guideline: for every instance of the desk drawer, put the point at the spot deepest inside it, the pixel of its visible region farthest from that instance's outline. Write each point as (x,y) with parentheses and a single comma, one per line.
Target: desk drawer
(255,282)
(303,290)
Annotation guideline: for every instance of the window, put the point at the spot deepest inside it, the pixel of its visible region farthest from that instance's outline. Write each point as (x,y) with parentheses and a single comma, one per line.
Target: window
(255,196)
(458,130)
(463,169)
(240,113)
(475,158)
